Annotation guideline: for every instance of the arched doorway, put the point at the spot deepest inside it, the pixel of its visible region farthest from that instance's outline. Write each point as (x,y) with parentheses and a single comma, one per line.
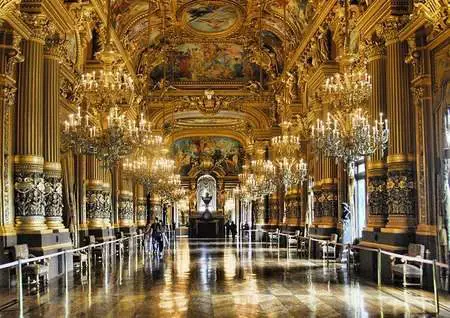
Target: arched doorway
(206,184)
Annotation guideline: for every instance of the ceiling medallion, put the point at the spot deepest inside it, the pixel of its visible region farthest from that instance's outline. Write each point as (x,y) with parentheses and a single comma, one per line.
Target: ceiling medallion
(211,18)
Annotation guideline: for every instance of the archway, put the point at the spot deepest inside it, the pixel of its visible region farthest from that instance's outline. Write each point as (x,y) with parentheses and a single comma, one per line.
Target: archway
(206,184)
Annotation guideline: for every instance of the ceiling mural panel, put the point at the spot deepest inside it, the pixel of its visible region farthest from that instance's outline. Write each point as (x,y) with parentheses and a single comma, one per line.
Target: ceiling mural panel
(222,153)
(211,18)
(210,62)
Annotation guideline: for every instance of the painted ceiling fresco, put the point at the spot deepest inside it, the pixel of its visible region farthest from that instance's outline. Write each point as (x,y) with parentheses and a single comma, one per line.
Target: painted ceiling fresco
(210,18)
(210,61)
(225,153)
(188,23)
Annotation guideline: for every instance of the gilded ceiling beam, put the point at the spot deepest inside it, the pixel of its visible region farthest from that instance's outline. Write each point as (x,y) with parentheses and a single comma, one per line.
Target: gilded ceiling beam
(310,32)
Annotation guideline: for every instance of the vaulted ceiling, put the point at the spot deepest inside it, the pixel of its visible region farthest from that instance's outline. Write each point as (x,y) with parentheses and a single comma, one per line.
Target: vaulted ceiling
(210,41)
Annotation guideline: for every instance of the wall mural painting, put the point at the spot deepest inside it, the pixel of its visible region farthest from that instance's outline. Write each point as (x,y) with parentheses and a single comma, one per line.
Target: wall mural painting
(210,62)
(223,152)
(211,17)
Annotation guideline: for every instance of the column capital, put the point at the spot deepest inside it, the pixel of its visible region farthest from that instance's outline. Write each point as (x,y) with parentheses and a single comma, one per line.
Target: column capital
(390,29)
(375,48)
(54,45)
(39,25)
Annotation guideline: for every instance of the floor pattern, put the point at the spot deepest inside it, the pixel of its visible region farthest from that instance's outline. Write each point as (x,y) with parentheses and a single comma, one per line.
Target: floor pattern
(222,279)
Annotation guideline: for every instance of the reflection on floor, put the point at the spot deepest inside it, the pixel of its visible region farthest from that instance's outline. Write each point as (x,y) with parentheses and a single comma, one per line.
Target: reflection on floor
(223,279)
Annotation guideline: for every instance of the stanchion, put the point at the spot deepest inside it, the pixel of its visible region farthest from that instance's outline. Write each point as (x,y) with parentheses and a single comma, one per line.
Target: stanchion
(348,256)
(379,268)
(435,288)
(20,287)
(66,272)
(309,248)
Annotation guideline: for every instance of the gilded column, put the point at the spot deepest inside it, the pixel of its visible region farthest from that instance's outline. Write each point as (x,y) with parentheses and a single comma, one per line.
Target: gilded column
(125,201)
(52,164)
(9,55)
(80,176)
(107,208)
(115,194)
(141,215)
(419,59)
(376,164)
(400,183)
(94,193)
(29,185)
(328,195)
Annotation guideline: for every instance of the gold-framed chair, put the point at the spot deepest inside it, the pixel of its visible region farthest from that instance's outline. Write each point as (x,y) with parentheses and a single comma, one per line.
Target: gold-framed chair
(37,270)
(329,247)
(409,270)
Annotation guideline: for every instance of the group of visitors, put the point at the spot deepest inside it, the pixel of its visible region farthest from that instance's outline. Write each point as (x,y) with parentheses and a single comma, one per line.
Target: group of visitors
(230,226)
(154,238)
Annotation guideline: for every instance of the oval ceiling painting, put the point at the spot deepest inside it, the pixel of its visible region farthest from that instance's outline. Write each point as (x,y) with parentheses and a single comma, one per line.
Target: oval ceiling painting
(211,18)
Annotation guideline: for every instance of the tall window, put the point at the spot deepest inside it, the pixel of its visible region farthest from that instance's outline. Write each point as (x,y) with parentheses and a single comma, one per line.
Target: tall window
(360,198)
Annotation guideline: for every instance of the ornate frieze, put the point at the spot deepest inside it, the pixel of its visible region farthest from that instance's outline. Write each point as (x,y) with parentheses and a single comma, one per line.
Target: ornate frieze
(29,194)
(142,210)
(377,195)
(95,204)
(53,196)
(401,193)
(125,208)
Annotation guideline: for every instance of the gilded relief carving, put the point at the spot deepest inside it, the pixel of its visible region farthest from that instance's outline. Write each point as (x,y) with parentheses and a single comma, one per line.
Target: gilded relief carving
(95,204)
(401,193)
(125,209)
(53,196)
(29,194)
(377,195)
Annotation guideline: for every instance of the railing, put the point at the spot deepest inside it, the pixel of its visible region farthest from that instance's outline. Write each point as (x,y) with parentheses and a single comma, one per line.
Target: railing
(404,258)
(136,240)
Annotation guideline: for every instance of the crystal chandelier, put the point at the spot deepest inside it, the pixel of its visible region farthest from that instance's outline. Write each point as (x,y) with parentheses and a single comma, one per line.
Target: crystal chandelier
(287,144)
(291,171)
(350,136)
(347,134)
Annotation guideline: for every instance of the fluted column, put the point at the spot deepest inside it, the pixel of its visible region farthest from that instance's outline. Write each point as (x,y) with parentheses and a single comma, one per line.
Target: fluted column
(52,164)
(125,201)
(400,183)
(29,186)
(94,193)
(328,195)
(9,55)
(81,182)
(376,164)
(141,215)
(107,210)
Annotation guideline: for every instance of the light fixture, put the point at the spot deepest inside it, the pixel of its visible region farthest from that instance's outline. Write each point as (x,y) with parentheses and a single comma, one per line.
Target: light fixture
(346,133)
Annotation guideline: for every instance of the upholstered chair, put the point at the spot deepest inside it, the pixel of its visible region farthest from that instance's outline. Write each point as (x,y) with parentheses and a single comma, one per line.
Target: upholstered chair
(410,272)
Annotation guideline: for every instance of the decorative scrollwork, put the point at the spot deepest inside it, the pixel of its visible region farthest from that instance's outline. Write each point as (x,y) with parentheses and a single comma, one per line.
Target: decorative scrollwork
(401,190)
(29,194)
(95,204)
(125,209)
(53,196)
(377,194)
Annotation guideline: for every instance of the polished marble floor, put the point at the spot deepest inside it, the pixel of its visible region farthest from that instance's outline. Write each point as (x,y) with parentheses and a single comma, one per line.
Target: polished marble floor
(222,279)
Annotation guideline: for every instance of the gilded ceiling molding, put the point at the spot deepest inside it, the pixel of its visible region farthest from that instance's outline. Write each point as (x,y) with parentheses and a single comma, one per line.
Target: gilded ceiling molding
(99,9)
(323,12)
